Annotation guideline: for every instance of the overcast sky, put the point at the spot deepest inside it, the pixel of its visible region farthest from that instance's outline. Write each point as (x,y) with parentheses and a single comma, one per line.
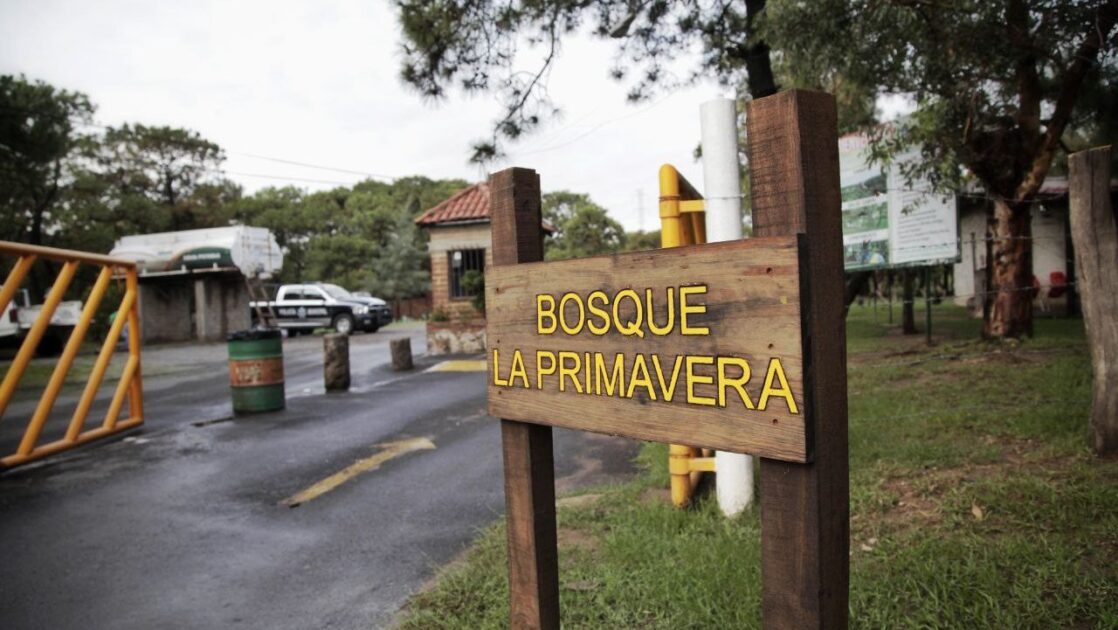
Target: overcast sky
(316,82)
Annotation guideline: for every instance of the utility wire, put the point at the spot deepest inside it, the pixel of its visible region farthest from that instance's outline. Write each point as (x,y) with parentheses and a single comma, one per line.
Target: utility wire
(314,166)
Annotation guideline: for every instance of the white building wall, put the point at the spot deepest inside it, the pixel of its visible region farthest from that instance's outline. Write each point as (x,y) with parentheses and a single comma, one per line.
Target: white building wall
(1049,255)
(972,249)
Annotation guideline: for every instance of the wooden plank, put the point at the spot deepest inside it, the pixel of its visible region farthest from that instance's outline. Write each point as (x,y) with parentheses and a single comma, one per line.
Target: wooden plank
(805,508)
(1094,232)
(724,323)
(514,198)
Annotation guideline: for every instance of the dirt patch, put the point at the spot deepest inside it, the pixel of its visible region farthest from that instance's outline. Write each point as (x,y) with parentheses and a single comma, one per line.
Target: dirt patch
(656,495)
(576,539)
(580,500)
(920,496)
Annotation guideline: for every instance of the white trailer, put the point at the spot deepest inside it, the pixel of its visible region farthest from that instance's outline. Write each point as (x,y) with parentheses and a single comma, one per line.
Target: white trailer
(251,250)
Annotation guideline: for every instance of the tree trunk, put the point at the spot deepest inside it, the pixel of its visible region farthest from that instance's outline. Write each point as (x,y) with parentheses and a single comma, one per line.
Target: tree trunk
(335,362)
(401,354)
(1094,229)
(758,63)
(1011,313)
(855,283)
(908,313)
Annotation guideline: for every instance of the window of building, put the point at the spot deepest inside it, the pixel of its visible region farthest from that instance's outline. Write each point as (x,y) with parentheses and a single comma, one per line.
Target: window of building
(461,262)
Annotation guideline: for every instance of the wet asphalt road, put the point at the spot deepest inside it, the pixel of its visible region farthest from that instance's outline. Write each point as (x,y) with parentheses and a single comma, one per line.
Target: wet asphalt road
(180,525)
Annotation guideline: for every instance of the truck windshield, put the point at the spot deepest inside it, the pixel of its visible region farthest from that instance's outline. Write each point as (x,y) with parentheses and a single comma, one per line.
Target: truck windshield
(335,291)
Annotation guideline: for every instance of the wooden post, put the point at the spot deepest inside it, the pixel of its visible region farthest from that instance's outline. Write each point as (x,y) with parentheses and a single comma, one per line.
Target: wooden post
(401,354)
(514,208)
(335,364)
(805,508)
(1095,236)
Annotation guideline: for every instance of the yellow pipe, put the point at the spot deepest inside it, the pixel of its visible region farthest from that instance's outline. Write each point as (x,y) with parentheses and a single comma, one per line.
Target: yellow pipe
(31,341)
(102,363)
(136,395)
(669,207)
(121,389)
(702,464)
(15,278)
(62,255)
(677,230)
(56,446)
(698,227)
(46,401)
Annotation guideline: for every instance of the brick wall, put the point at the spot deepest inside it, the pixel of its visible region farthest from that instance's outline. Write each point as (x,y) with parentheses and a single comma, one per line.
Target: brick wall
(445,239)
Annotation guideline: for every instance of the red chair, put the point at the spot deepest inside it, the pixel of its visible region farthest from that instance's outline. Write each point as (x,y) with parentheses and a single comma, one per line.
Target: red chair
(1057,284)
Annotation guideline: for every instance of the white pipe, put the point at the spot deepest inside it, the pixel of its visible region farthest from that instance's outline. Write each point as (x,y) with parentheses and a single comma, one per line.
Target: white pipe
(722,187)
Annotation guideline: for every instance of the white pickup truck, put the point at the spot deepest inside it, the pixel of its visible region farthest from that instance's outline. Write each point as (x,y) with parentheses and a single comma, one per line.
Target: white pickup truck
(301,308)
(18,319)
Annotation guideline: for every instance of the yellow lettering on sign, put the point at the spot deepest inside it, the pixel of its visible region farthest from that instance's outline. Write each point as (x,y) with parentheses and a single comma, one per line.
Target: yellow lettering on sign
(686,309)
(668,388)
(517,370)
(776,373)
(633,326)
(694,379)
(540,369)
(666,328)
(642,379)
(567,328)
(570,370)
(738,383)
(496,372)
(603,328)
(545,312)
(614,379)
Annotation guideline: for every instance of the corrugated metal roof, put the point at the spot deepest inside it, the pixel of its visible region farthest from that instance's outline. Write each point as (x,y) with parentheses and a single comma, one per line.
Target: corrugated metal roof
(469,204)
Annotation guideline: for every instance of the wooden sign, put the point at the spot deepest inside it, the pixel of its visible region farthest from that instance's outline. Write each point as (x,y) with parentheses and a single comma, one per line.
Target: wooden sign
(564,340)
(692,345)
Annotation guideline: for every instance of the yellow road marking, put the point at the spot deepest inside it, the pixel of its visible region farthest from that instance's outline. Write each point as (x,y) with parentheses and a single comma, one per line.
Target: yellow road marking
(389,450)
(460,365)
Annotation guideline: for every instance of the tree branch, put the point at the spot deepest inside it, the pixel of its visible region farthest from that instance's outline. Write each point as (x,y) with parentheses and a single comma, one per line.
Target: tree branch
(1070,84)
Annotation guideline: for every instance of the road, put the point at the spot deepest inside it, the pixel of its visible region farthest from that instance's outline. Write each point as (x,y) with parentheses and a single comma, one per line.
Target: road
(183,523)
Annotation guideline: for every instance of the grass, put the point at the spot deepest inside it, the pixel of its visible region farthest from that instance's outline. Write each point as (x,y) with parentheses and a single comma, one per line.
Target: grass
(974,504)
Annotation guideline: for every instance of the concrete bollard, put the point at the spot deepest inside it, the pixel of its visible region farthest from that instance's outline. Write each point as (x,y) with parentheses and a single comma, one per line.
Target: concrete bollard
(336,362)
(401,354)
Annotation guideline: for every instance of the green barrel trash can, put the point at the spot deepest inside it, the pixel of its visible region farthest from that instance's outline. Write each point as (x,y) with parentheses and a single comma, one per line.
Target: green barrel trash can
(256,370)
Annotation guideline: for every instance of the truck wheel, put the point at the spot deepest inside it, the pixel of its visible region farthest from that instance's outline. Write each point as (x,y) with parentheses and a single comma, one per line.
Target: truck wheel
(343,324)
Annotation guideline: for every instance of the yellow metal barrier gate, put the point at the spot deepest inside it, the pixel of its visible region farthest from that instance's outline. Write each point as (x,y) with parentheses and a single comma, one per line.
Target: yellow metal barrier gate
(129,386)
(682,222)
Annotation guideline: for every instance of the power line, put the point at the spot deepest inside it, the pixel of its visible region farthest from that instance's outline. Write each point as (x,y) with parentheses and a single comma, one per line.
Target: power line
(594,128)
(99,125)
(314,166)
(282,177)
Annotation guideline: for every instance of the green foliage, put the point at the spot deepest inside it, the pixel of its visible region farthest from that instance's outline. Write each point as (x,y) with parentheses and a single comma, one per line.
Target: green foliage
(283,211)
(482,47)
(38,136)
(401,267)
(582,227)
(362,238)
(640,241)
(86,191)
(996,84)
(473,281)
(968,510)
(164,178)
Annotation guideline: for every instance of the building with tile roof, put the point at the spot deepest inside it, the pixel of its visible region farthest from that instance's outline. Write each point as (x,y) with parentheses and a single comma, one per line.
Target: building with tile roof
(458,242)
(469,205)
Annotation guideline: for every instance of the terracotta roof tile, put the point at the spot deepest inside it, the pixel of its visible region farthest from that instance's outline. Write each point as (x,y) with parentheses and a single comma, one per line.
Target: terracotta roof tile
(469,204)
